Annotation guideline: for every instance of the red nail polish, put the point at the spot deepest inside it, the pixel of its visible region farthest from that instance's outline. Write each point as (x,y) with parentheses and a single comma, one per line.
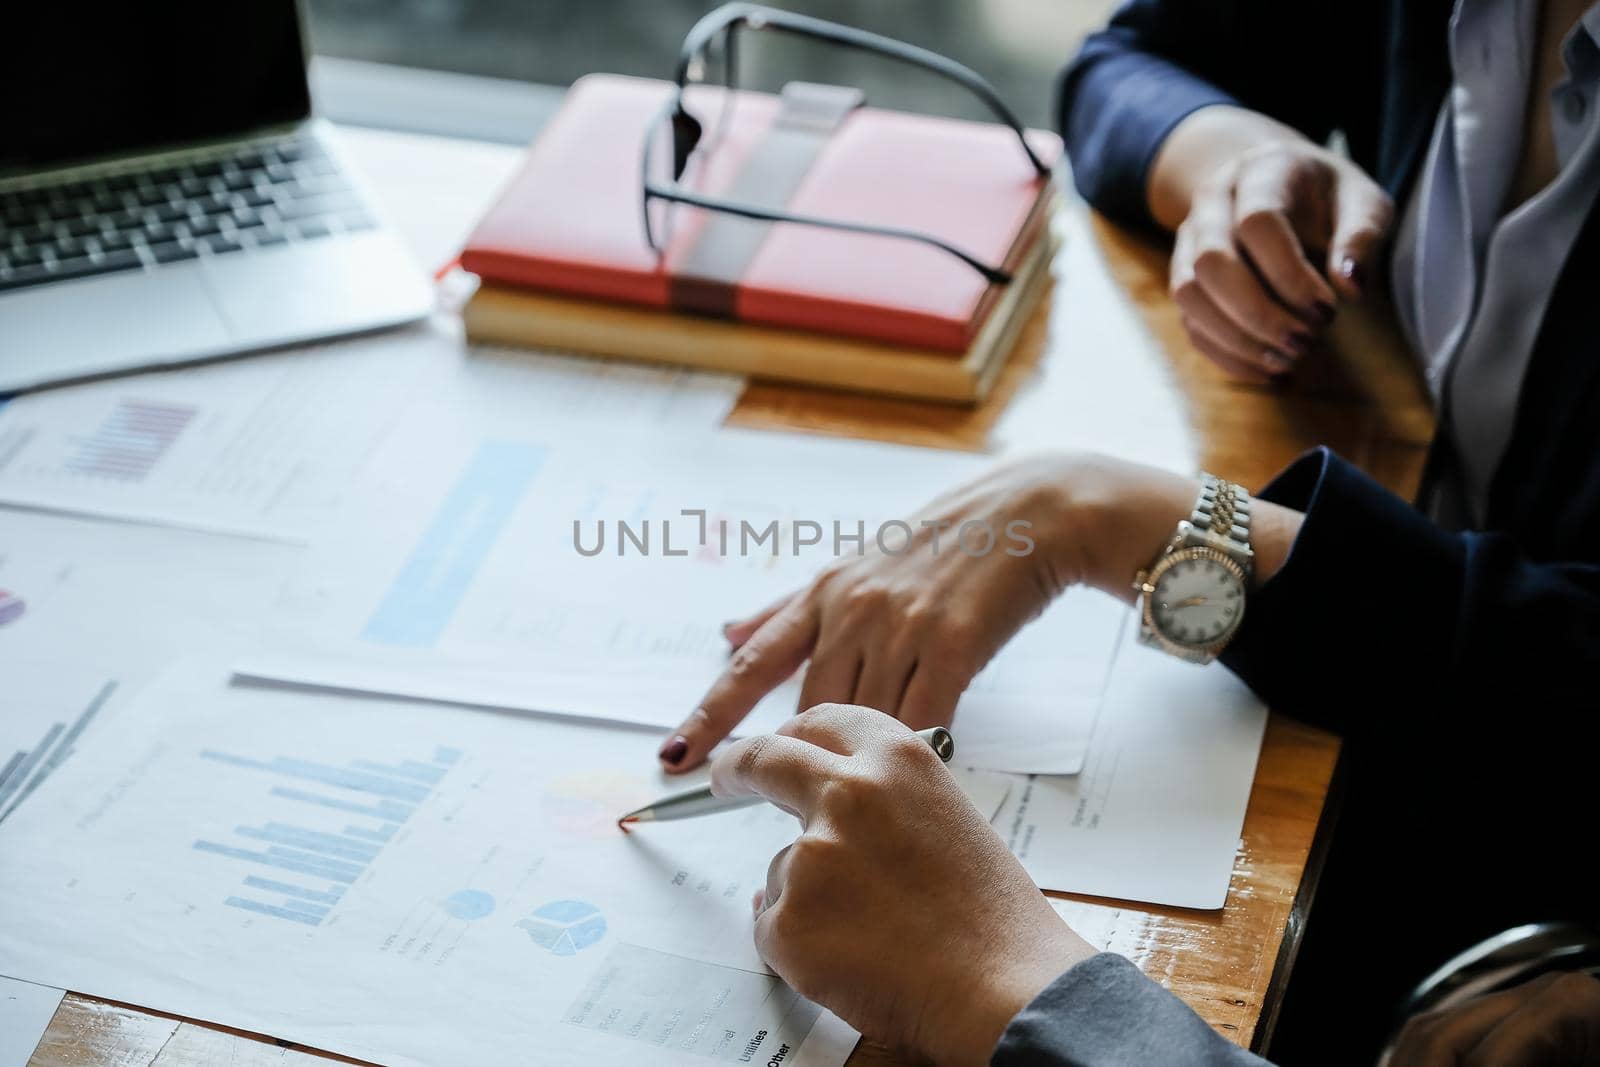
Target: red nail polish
(674,750)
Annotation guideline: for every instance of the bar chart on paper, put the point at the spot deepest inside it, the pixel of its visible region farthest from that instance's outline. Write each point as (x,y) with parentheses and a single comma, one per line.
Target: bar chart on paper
(131,440)
(260,447)
(318,867)
(307,869)
(46,715)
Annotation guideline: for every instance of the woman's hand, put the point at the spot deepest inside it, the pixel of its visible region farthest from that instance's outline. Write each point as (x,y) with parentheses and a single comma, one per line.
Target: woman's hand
(906,633)
(1271,231)
(870,912)
(1552,1021)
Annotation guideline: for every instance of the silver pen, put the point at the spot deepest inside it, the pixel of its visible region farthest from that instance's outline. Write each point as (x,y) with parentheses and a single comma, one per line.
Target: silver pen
(688,804)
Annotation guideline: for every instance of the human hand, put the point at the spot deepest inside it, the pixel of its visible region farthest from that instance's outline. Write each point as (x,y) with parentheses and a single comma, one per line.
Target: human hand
(906,633)
(1553,1021)
(897,908)
(1274,236)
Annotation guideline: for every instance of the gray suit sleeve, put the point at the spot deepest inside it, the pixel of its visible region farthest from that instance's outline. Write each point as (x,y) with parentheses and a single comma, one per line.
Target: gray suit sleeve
(1105,1013)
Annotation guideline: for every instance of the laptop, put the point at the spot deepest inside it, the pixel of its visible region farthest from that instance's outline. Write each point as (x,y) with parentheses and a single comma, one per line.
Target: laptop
(166,196)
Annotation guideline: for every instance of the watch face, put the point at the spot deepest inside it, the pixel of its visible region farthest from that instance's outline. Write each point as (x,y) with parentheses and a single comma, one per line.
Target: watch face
(1197,601)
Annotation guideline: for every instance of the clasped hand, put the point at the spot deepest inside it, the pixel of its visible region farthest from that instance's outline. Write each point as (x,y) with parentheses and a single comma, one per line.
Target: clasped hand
(1273,240)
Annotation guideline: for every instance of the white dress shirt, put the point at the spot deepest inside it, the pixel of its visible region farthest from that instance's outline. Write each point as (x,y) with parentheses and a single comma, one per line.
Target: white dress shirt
(1470,280)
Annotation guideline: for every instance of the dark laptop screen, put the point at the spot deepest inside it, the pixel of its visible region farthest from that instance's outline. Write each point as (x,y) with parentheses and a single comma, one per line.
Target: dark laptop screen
(84,79)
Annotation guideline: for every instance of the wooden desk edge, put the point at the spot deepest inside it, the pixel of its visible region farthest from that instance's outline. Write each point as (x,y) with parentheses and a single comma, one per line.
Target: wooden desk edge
(1300,910)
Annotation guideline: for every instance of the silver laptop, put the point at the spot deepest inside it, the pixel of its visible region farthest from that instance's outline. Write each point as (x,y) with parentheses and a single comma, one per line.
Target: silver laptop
(165,195)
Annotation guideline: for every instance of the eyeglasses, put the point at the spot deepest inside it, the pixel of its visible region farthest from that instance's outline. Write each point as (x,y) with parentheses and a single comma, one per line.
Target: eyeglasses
(717,33)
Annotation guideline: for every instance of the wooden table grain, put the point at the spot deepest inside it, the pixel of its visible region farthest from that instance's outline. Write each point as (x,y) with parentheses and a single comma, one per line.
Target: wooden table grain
(1103,364)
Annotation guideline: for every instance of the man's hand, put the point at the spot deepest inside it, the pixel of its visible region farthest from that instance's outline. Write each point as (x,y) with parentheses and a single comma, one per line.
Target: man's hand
(897,908)
(1552,1021)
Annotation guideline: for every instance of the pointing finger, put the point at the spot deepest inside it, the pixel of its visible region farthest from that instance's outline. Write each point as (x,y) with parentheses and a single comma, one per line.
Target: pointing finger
(741,630)
(759,666)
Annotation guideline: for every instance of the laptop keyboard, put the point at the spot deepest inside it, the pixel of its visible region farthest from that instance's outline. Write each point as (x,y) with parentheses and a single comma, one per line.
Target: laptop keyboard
(238,198)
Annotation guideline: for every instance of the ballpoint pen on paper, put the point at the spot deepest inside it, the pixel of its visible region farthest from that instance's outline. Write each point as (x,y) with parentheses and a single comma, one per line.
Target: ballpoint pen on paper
(694,802)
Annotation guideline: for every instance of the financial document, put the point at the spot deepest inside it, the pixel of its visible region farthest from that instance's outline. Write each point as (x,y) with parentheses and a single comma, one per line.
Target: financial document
(1156,814)
(271,446)
(46,712)
(86,599)
(533,574)
(397,882)
(260,447)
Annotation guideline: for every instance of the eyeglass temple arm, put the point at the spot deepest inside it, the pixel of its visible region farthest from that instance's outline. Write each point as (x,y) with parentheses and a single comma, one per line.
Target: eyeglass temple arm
(732,16)
(994,275)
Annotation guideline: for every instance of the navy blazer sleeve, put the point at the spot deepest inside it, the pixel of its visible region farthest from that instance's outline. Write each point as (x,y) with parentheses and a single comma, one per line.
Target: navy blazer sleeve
(1379,608)
(1308,63)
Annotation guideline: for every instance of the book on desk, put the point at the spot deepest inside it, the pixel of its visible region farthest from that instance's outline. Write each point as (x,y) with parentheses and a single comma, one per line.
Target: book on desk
(565,261)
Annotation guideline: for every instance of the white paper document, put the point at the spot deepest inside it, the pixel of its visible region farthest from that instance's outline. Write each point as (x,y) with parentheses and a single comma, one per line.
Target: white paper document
(25,1013)
(594,399)
(527,574)
(84,599)
(272,445)
(261,447)
(1156,814)
(35,572)
(397,882)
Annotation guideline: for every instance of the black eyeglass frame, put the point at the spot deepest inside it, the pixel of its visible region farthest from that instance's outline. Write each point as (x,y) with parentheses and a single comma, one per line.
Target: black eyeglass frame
(687,130)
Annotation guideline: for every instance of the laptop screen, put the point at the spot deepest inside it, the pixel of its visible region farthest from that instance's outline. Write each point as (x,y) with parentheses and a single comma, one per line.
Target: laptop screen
(87,79)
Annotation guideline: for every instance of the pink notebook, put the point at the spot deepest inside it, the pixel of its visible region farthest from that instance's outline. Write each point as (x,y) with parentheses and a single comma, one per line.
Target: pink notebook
(570,221)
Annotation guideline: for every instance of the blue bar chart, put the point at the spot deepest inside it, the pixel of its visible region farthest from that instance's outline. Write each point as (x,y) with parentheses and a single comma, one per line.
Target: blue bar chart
(303,872)
(24,770)
(131,440)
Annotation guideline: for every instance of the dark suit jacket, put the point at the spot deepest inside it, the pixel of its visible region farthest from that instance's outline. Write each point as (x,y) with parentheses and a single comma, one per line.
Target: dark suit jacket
(1462,668)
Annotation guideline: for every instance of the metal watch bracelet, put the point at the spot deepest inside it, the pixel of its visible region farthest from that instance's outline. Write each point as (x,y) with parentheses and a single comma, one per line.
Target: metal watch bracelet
(1223,511)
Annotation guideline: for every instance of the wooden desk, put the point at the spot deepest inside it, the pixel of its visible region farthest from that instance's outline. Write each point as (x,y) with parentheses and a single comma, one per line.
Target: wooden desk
(1104,365)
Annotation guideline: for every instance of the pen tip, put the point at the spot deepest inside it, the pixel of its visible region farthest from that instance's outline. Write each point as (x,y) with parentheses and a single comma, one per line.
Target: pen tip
(626,821)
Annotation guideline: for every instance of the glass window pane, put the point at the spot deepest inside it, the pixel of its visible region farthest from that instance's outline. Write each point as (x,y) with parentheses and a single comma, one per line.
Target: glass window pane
(1018,45)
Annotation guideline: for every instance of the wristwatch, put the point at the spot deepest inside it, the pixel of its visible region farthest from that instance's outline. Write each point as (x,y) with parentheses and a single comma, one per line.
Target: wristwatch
(1191,599)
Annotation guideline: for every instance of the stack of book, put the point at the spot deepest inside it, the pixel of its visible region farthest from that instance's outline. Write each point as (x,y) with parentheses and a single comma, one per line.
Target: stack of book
(564,262)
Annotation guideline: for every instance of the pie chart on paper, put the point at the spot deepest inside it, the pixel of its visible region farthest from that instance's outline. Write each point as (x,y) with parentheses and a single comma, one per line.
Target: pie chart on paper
(468,905)
(565,927)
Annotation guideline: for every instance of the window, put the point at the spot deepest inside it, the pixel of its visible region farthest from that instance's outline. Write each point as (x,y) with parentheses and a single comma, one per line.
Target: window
(1018,45)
